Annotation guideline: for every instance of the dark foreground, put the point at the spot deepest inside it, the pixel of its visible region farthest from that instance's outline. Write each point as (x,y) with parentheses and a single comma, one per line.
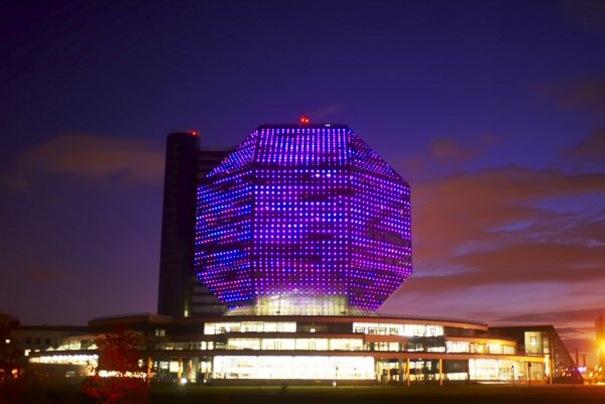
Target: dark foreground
(328,395)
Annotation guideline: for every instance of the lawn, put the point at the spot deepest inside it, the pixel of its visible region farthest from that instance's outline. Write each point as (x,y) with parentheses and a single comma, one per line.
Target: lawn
(329,395)
(383,394)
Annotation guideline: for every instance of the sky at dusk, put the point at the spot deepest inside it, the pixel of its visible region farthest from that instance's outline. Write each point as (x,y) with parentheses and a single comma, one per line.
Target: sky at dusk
(493,111)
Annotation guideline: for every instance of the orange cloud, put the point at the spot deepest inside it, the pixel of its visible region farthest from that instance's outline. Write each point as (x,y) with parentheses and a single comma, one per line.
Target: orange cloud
(91,157)
(451,151)
(584,94)
(591,148)
(483,228)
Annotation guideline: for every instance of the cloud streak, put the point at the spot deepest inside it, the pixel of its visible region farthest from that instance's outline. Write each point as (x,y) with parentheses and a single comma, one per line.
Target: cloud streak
(89,157)
(591,149)
(519,263)
(559,316)
(582,94)
(494,227)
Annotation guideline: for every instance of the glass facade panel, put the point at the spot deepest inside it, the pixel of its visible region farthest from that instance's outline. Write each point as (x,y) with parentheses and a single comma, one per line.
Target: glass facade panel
(212,328)
(505,370)
(244,343)
(533,343)
(407,330)
(458,346)
(278,344)
(346,344)
(303,344)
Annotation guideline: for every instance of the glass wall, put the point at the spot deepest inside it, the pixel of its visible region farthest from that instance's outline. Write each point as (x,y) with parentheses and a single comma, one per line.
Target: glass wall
(304,344)
(191,345)
(294,367)
(407,330)
(458,346)
(321,305)
(249,326)
(535,344)
(505,370)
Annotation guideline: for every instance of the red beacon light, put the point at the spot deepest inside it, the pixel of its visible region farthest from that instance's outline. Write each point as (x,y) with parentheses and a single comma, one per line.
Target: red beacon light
(194,132)
(304,120)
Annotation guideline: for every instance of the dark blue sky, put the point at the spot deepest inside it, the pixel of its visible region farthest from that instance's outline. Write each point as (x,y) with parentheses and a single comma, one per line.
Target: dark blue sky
(493,110)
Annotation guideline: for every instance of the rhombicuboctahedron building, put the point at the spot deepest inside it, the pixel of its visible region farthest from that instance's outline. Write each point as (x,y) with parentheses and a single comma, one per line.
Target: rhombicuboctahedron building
(305,218)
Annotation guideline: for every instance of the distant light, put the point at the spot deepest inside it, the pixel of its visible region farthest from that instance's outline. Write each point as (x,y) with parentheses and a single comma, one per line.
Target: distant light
(195,132)
(8,341)
(334,383)
(183,380)
(304,120)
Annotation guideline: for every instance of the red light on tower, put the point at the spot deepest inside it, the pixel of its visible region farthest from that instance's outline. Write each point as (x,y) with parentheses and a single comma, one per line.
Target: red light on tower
(304,120)
(195,132)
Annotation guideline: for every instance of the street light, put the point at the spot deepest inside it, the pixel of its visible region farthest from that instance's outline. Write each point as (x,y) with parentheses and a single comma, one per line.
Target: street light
(335,376)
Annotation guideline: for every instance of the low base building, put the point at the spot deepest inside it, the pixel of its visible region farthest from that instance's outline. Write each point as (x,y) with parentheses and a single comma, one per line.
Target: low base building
(349,348)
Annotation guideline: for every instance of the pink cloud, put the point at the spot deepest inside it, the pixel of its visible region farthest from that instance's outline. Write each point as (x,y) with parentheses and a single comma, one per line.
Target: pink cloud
(90,157)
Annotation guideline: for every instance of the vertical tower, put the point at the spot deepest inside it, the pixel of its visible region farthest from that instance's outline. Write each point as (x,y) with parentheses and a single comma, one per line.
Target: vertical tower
(180,293)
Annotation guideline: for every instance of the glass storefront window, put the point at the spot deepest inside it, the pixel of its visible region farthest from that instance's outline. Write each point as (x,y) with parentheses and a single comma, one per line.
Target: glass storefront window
(294,367)
(458,346)
(407,330)
(249,326)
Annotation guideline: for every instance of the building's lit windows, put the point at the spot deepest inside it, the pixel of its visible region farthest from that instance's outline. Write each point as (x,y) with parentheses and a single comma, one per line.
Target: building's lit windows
(387,346)
(278,343)
(294,367)
(174,367)
(180,346)
(301,344)
(504,370)
(249,326)
(81,359)
(346,344)
(77,343)
(244,343)
(323,305)
(496,348)
(534,343)
(407,330)
(457,346)
(478,347)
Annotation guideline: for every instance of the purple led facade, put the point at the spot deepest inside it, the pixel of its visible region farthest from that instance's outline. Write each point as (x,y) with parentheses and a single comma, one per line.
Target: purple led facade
(305,211)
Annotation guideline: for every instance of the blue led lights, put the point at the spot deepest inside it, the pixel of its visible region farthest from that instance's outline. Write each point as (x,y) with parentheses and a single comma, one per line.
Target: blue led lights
(303,210)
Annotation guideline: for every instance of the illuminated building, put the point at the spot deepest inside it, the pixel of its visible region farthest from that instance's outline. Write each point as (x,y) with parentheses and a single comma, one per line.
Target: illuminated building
(181,293)
(303,349)
(303,231)
(543,340)
(300,216)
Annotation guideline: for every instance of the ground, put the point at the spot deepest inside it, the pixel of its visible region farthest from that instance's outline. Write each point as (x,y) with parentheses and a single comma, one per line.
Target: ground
(350,395)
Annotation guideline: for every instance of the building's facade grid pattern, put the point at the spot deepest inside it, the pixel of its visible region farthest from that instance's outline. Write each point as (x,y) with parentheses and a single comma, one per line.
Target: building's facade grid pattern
(303,211)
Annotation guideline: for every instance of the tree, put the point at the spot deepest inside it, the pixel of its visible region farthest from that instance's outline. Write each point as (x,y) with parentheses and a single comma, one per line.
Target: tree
(11,364)
(119,378)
